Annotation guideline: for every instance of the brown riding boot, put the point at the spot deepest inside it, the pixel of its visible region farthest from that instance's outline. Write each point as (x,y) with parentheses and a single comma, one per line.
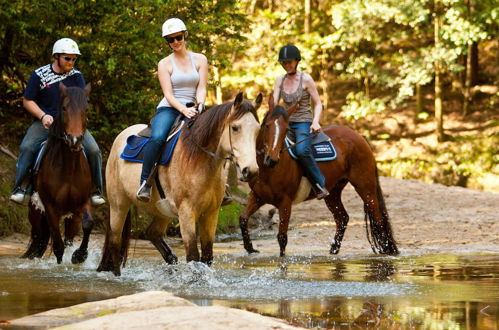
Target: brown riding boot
(321,192)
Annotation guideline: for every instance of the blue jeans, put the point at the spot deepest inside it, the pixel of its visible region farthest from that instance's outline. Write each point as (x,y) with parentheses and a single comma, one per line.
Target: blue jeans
(30,146)
(161,124)
(303,151)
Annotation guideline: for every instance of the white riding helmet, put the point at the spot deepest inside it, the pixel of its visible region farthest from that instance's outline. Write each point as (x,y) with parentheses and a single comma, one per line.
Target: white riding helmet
(65,46)
(173,25)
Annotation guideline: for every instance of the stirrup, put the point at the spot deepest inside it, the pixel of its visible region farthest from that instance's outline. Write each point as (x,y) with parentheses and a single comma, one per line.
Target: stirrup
(144,192)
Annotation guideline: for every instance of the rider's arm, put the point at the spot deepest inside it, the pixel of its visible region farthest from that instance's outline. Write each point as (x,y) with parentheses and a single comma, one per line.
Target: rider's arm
(164,76)
(316,101)
(277,92)
(30,94)
(33,108)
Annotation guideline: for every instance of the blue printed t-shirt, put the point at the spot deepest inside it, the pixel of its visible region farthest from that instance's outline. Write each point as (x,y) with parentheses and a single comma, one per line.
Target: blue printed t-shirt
(43,87)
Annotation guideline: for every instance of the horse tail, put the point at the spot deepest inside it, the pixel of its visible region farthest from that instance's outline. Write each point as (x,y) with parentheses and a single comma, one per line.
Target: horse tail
(126,234)
(380,235)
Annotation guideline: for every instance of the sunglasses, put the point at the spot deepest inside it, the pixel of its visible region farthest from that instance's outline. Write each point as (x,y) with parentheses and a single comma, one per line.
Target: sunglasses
(171,40)
(69,59)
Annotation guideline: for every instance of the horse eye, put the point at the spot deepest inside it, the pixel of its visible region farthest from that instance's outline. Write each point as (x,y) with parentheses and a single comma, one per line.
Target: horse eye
(235,128)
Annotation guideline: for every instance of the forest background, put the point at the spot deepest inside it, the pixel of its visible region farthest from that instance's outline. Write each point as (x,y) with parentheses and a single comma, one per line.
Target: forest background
(419,78)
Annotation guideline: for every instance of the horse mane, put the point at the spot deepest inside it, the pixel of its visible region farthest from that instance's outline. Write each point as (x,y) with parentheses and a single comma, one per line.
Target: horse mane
(276,112)
(209,124)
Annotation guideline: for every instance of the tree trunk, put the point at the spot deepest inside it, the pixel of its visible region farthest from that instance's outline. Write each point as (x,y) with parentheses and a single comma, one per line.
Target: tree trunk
(323,82)
(467,81)
(218,82)
(307,16)
(438,84)
(419,101)
(474,64)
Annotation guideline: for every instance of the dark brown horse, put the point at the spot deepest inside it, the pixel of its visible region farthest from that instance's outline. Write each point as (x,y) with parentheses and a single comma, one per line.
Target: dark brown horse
(280,182)
(63,183)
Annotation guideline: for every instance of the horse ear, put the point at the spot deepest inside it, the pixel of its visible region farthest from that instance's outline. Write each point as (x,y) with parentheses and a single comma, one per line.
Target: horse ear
(271,102)
(63,89)
(258,101)
(87,89)
(292,109)
(238,100)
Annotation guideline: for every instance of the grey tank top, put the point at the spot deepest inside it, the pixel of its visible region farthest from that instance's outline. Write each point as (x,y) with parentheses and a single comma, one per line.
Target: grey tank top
(184,84)
(304,111)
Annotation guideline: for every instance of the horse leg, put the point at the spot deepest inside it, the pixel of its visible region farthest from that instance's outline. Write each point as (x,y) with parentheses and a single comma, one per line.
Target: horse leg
(39,233)
(374,206)
(188,231)
(53,218)
(253,204)
(71,229)
(117,239)
(154,233)
(207,230)
(334,204)
(284,215)
(81,254)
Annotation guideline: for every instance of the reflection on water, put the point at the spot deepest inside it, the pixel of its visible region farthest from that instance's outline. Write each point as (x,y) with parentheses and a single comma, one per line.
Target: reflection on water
(437,291)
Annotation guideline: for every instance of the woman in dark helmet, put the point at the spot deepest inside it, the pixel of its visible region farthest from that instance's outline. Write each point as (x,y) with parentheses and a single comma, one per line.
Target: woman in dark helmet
(296,86)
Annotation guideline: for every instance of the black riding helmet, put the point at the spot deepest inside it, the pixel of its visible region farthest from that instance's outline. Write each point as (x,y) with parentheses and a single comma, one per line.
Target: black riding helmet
(288,53)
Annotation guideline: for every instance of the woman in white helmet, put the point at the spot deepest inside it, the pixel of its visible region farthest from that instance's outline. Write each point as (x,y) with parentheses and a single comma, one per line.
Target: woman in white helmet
(42,99)
(183,76)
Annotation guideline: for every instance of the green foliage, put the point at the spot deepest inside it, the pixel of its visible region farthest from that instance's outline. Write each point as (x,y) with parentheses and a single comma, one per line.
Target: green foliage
(228,218)
(359,106)
(121,44)
(13,217)
(471,162)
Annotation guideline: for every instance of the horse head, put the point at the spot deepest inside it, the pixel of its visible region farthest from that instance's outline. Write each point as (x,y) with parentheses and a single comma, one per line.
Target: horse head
(273,131)
(72,122)
(239,136)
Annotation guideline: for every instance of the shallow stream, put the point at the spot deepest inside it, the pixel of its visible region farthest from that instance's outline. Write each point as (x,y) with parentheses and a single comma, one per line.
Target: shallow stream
(341,292)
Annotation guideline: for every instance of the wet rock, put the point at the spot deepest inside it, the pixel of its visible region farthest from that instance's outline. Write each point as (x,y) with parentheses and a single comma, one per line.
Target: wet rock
(149,310)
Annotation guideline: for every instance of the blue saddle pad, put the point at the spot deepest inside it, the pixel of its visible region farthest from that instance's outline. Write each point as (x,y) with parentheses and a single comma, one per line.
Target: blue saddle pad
(134,149)
(323,151)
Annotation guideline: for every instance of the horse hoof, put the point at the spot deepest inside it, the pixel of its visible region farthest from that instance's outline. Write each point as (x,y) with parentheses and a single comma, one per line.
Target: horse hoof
(250,251)
(79,256)
(334,250)
(172,260)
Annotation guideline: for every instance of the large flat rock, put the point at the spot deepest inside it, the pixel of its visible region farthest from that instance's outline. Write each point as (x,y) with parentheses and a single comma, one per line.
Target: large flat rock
(150,310)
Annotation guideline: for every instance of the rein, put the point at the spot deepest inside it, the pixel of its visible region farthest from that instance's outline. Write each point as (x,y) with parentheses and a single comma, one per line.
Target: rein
(214,155)
(259,152)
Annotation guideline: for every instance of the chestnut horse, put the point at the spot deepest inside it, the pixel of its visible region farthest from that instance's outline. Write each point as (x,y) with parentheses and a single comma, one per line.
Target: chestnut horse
(193,182)
(63,183)
(281,182)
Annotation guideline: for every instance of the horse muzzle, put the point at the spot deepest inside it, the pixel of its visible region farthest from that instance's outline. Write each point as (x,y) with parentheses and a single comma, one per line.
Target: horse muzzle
(75,143)
(247,173)
(269,162)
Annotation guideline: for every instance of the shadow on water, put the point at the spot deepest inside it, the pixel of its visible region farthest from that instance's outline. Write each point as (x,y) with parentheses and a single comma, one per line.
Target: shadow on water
(429,291)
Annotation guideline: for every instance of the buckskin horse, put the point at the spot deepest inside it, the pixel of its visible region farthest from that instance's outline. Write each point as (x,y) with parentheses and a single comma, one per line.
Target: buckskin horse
(63,182)
(193,182)
(280,182)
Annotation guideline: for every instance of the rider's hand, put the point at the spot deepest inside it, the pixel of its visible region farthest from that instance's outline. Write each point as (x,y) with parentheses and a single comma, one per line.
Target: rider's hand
(190,112)
(315,127)
(47,121)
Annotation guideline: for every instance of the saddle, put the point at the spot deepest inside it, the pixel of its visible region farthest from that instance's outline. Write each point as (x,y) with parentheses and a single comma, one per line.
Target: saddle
(134,149)
(322,147)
